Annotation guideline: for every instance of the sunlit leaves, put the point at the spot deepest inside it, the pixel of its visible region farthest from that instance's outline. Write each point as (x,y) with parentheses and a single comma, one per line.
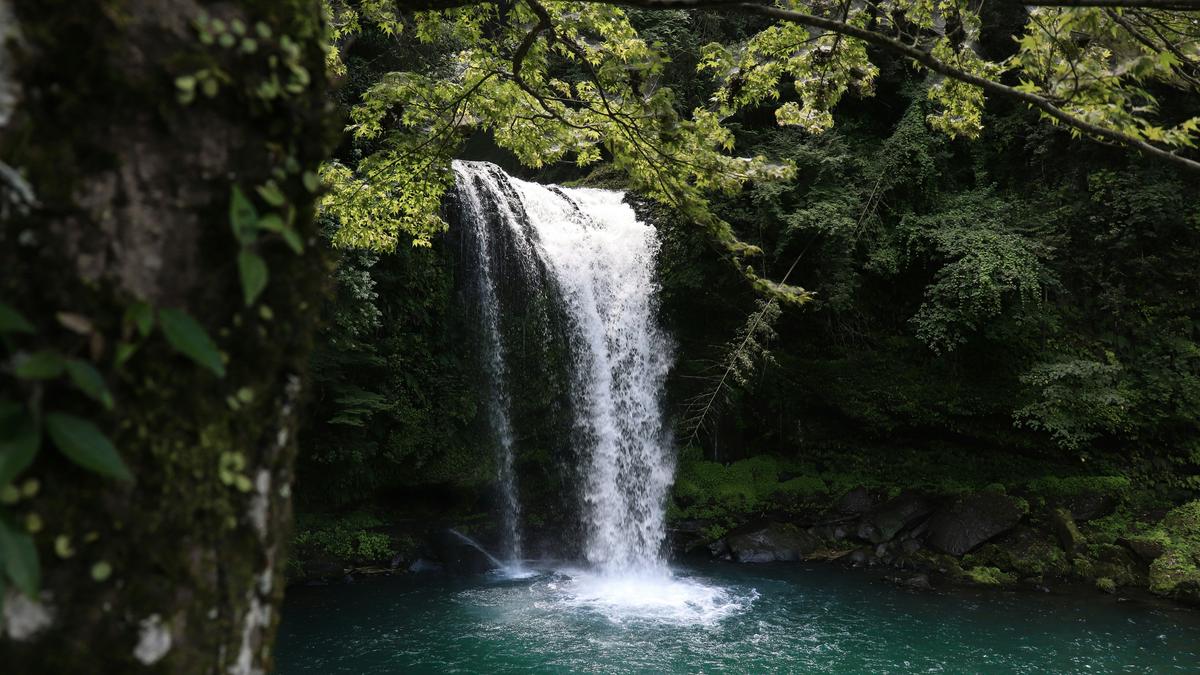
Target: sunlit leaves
(1105,78)
(960,105)
(611,107)
(587,89)
(387,195)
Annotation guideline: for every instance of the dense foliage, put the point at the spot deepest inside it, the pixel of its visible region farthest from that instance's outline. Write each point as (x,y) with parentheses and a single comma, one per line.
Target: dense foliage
(1022,292)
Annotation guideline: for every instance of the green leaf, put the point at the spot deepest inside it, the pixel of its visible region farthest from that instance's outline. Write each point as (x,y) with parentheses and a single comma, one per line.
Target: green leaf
(12,321)
(140,315)
(20,439)
(83,443)
(253,271)
(20,559)
(89,381)
(311,182)
(293,240)
(43,365)
(271,223)
(124,351)
(188,338)
(271,194)
(243,217)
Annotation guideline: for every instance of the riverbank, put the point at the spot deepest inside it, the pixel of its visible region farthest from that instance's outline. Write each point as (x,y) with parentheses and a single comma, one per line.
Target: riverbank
(947,528)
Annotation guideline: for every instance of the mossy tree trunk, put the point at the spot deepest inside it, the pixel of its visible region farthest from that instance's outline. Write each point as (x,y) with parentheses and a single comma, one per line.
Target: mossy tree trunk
(115,188)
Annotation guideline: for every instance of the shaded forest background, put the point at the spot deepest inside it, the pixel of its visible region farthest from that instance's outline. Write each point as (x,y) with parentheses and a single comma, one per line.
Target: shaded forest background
(1025,300)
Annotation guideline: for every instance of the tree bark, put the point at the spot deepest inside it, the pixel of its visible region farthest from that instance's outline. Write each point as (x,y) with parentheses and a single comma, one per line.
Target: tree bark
(115,191)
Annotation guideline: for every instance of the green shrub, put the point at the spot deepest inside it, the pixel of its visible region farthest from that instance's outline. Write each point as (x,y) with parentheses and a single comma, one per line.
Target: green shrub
(1179,532)
(989,576)
(726,494)
(1054,487)
(345,537)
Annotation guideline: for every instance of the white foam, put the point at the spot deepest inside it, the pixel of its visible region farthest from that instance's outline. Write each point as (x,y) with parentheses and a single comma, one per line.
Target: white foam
(654,596)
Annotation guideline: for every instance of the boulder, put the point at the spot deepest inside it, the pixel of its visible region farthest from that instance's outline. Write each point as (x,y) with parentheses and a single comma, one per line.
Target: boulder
(770,542)
(855,502)
(972,520)
(1027,552)
(1063,525)
(919,582)
(1087,506)
(889,518)
(1145,548)
(1187,592)
(720,549)
(859,557)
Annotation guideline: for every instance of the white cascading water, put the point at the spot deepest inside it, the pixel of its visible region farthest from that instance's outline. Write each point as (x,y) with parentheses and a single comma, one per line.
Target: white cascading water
(600,259)
(470,182)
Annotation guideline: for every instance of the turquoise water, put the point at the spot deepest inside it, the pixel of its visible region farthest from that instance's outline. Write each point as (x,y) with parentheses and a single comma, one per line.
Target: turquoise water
(720,618)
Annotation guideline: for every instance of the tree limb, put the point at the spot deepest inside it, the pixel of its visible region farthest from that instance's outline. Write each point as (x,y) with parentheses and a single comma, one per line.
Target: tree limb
(920,56)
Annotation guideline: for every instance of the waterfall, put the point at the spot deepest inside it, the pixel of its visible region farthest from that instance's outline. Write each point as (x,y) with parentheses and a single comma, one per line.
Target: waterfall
(599,261)
(485,265)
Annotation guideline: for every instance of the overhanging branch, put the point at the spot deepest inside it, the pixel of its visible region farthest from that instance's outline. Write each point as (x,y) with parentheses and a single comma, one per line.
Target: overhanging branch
(918,55)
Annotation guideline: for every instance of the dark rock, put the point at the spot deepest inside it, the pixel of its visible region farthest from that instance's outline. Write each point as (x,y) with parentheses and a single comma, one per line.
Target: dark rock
(770,542)
(1027,552)
(720,550)
(918,582)
(1187,592)
(972,520)
(1148,550)
(1090,505)
(910,546)
(894,515)
(1064,528)
(855,502)
(323,569)
(859,557)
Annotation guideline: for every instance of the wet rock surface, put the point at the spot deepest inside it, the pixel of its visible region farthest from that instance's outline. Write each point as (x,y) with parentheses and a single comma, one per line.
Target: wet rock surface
(970,521)
(888,519)
(770,542)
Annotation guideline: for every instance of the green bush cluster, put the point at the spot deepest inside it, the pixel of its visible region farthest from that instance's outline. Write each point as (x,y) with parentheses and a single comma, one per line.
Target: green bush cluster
(728,493)
(346,538)
(989,576)
(1055,487)
(1179,535)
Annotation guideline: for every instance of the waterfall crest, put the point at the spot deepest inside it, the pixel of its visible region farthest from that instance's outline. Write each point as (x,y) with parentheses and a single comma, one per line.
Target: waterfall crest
(598,259)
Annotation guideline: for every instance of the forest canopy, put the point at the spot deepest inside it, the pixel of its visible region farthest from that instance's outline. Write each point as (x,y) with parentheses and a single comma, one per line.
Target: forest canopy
(576,82)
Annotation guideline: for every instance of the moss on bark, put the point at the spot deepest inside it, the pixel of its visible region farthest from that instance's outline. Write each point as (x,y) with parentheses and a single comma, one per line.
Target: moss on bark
(134,190)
